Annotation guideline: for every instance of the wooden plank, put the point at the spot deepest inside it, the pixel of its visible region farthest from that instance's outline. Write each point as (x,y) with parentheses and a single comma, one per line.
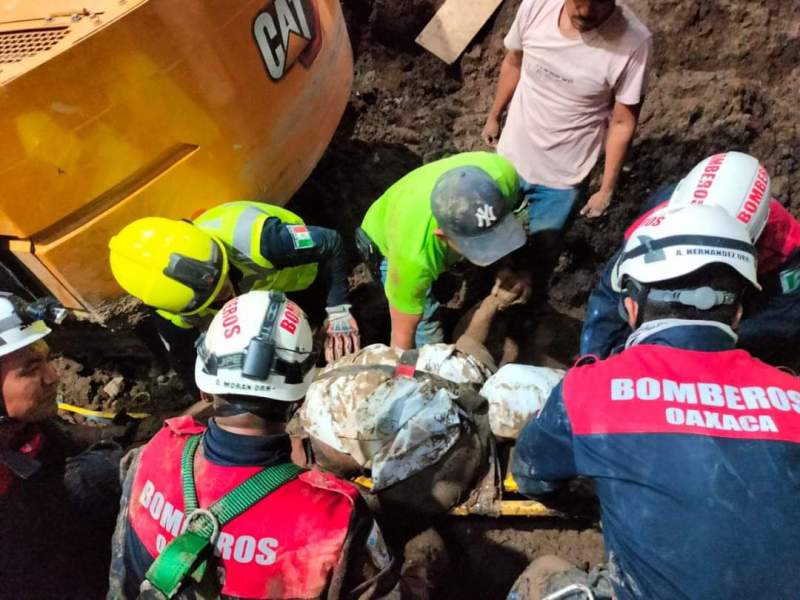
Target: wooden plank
(454,25)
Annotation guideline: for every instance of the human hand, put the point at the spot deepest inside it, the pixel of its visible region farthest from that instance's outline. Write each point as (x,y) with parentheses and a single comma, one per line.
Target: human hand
(491,131)
(512,287)
(597,204)
(341,333)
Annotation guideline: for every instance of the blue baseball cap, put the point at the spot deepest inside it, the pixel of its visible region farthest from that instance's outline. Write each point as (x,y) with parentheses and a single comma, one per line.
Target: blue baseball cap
(472,211)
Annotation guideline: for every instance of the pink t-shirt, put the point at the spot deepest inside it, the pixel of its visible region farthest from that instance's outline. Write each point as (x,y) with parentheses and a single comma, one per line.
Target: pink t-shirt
(559,113)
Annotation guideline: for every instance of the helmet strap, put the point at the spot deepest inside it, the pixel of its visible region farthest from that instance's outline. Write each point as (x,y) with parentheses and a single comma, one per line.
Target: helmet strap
(638,292)
(260,353)
(702,298)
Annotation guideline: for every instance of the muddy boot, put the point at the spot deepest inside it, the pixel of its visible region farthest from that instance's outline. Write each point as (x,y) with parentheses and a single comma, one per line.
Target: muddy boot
(426,565)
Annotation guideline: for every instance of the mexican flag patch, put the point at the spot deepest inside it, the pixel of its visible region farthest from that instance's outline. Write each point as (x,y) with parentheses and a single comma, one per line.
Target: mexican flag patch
(300,237)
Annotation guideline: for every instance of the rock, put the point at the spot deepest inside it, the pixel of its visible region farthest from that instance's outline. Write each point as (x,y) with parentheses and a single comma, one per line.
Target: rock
(114,387)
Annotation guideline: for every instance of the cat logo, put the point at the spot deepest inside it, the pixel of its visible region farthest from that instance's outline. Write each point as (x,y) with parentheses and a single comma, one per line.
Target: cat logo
(273,28)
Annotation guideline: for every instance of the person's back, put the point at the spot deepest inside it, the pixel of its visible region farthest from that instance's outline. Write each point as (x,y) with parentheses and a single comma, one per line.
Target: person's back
(693,446)
(222,511)
(401,222)
(285,546)
(696,463)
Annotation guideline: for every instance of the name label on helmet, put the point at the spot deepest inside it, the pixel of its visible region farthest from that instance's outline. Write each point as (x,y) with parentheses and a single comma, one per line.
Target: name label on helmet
(707,178)
(230,319)
(273,28)
(755,197)
(290,318)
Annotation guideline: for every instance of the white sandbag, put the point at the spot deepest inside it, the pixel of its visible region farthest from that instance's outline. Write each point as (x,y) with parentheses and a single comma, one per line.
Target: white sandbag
(516,393)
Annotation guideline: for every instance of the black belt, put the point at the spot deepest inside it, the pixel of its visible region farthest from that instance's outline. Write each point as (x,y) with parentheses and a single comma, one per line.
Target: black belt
(369,252)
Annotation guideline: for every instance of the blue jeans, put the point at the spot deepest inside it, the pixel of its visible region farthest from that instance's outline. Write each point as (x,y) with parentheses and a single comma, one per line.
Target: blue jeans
(429,330)
(549,208)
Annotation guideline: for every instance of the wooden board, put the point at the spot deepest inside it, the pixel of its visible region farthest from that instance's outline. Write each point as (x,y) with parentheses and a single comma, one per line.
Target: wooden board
(454,25)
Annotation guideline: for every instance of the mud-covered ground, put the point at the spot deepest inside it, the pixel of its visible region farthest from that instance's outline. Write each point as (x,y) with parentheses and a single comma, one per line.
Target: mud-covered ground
(725,76)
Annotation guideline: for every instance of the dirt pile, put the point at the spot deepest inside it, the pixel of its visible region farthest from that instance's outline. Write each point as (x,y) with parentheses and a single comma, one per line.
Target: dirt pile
(725,76)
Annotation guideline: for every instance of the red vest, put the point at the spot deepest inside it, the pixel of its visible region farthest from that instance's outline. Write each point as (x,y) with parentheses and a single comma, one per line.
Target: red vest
(658,389)
(285,546)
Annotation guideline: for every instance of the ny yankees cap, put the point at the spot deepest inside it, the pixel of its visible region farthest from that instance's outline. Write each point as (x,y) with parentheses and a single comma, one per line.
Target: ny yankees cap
(471,210)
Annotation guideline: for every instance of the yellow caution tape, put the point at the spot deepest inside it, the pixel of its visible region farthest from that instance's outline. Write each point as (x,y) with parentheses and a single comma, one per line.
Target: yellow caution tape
(79,410)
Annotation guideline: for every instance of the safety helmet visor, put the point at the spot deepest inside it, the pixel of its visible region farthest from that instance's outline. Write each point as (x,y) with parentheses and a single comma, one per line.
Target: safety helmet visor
(202,277)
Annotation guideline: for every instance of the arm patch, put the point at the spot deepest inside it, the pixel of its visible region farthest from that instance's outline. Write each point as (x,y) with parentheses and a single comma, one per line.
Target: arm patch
(301,238)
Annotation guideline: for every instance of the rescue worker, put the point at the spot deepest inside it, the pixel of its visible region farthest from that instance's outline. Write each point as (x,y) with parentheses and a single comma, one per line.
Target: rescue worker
(693,446)
(227,498)
(739,184)
(186,270)
(460,207)
(58,490)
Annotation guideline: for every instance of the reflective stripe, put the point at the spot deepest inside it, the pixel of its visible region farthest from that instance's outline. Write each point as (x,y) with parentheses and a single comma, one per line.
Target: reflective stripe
(243,230)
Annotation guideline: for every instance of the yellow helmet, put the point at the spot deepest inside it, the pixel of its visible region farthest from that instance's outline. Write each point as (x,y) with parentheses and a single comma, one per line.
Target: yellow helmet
(167,264)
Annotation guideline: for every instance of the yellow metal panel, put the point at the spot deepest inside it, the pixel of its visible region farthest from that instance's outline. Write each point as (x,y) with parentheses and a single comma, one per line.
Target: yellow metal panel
(166,110)
(513,508)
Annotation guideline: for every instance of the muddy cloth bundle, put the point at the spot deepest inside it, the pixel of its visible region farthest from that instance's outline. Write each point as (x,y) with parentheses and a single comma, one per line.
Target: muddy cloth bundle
(424,439)
(516,394)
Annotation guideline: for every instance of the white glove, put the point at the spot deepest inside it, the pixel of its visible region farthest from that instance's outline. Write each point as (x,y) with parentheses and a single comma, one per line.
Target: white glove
(341,331)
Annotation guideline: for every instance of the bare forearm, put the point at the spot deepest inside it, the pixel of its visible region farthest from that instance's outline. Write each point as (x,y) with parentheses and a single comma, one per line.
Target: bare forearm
(618,140)
(509,78)
(404,326)
(481,322)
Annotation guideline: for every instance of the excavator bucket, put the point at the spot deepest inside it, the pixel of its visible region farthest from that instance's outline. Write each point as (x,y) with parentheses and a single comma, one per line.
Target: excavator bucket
(128,108)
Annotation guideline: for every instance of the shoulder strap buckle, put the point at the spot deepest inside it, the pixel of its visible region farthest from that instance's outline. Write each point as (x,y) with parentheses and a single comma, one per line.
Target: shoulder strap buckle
(199,520)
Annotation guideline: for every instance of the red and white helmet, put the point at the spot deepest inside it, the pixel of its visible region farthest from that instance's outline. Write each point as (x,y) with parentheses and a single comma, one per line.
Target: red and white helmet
(734,181)
(259,344)
(674,242)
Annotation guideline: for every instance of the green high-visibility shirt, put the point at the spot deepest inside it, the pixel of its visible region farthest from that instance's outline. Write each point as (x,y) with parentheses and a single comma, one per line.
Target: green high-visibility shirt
(401,224)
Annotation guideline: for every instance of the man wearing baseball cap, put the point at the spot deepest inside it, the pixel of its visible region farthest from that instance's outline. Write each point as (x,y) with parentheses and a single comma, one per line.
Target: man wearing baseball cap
(460,207)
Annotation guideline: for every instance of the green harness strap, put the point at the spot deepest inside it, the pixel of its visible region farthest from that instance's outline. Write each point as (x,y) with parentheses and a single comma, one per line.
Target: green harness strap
(187,554)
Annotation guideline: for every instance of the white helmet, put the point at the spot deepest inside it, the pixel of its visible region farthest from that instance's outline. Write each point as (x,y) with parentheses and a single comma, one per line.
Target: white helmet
(259,344)
(15,330)
(673,242)
(734,181)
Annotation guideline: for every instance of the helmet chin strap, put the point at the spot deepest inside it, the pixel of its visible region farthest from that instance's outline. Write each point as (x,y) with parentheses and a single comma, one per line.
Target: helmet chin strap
(638,292)
(702,298)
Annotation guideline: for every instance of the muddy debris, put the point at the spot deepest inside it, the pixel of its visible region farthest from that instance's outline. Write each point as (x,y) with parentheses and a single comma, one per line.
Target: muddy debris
(725,77)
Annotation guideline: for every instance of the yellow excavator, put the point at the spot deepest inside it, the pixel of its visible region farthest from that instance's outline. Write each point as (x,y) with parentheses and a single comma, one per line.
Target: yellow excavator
(111,110)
